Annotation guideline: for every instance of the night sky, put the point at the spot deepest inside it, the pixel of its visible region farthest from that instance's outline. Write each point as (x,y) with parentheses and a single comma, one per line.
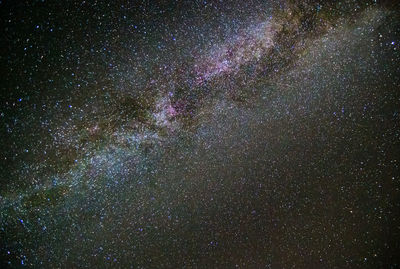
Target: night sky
(200,134)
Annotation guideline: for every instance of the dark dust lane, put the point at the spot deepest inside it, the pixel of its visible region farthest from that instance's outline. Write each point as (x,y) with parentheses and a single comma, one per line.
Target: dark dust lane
(200,134)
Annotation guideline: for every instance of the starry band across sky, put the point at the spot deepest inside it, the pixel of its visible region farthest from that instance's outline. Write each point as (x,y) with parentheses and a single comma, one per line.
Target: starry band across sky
(200,134)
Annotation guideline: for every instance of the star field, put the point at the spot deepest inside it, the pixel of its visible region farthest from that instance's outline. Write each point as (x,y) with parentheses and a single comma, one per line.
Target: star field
(200,134)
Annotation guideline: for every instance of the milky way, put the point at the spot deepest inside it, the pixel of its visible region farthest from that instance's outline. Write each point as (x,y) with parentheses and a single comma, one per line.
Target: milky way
(200,134)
